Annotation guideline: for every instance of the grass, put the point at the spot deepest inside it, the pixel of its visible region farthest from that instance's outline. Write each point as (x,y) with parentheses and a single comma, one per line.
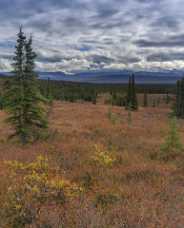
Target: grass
(122,184)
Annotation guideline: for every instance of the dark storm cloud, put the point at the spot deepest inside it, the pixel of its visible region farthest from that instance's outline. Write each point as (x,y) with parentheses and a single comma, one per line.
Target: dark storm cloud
(6,56)
(166,21)
(165,57)
(159,44)
(79,34)
(106,13)
(170,41)
(51,59)
(99,59)
(127,60)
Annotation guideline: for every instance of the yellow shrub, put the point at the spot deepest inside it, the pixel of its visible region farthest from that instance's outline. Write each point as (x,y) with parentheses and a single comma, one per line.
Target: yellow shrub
(103,157)
(41,165)
(32,187)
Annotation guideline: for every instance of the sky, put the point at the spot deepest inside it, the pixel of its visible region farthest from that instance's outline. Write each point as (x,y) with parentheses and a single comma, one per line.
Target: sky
(80,35)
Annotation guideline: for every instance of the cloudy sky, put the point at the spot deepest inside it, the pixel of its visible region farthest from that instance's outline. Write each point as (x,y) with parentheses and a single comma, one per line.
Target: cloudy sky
(72,35)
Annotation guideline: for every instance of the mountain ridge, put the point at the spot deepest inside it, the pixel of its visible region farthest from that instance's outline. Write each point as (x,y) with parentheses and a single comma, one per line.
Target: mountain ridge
(112,76)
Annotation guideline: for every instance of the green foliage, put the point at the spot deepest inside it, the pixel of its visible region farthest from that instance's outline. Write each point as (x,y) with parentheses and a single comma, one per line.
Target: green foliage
(115,94)
(48,92)
(168,98)
(179,106)
(117,99)
(154,103)
(172,145)
(24,102)
(74,93)
(2,102)
(145,99)
(113,117)
(131,101)
(104,200)
(87,181)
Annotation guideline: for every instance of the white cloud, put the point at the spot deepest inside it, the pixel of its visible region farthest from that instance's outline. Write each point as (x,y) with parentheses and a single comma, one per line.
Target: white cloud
(69,35)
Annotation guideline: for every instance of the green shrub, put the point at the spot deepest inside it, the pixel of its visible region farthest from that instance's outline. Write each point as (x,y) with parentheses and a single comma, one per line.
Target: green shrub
(104,200)
(87,181)
(113,117)
(172,145)
(110,115)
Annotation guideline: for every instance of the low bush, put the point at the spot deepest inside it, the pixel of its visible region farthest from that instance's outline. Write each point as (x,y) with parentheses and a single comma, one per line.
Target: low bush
(172,146)
(103,157)
(104,200)
(32,188)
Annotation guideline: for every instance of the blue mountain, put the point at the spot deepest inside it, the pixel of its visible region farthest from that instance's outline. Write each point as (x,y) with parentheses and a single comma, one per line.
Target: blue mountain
(113,76)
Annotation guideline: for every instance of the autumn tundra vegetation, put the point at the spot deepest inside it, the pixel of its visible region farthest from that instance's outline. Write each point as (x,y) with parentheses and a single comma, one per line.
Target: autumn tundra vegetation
(80,156)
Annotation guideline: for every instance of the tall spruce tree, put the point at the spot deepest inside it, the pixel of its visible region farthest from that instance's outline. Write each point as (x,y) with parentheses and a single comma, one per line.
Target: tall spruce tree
(179,105)
(48,89)
(134,95)
(145,99)
(129,93)
(24,101)
(131,102)
(14,88)
(167,100)
(34,102)
(182,99)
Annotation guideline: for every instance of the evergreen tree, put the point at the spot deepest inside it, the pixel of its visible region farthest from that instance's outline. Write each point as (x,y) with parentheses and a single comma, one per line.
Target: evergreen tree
(131,102)
(14,93)
(167,98)
(1,101)
(182,98)
(145,99)
(178,98)
(129,93)
(48,94)
(24,101)
(35,116)
(94,97)
(179,105)
(134,95)
(154,103)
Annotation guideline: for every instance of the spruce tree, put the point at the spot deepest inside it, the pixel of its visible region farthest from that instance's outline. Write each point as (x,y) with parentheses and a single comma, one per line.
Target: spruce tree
(24,101)
(14,90)
(129,93)
(167,100)
(182,98)
(145,99)
(179,105)
(48,92)
(34,102)
(131,101)
(154,103)
(134,95)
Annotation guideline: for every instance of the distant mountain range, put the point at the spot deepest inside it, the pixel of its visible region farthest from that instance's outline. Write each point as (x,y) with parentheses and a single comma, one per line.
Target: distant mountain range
(113,77)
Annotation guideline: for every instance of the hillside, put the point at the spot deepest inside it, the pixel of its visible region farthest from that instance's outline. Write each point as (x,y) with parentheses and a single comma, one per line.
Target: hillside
(124,183)
(113,77)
